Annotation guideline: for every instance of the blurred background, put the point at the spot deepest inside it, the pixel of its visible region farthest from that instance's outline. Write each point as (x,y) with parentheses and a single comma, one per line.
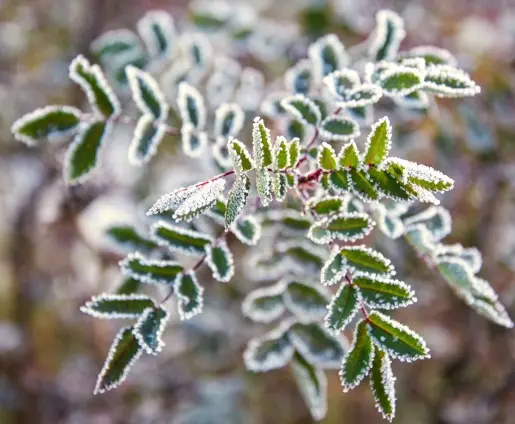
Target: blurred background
(53,255)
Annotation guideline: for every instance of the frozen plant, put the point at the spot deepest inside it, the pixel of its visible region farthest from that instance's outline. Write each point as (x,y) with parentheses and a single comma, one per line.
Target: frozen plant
(301,175)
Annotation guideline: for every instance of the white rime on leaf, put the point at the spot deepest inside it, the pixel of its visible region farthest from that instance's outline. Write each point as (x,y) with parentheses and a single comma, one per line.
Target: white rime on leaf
(220,260)
(436,219)
(303,109)
(326,157)
(150,271)
(388,34)
(379,142)
(157,30)
(265,304)
(113,306)
(179,239)
(149,328)
(345,226)
(343,308)
(145,140)
(307,302)
(447,81)
(400,80)
(220,152)
(198,51)
(194,142)
(229,120)
(173,199)
(432,55)
(93,82)
(236,199)
(299,78)
(123,353)
(382,383)
(146,93)
(262,144)
(240,157)
(190,295)
(380,292)
(264,186)
(203,199)
(327,55)
(116,42)
(339,128)
(334,269)
(341,81)
(362,95)
(191,105)
(247,230)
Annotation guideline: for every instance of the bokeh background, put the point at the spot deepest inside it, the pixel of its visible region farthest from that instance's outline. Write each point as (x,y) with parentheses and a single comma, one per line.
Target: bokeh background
(53,256)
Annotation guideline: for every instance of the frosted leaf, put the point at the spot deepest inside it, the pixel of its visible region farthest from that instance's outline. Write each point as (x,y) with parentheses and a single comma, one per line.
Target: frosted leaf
(123,353)
(190,295)
(93,82)
(173,199)
(312,384)
(294,153)
(150,327)
(326,205)
(203,199)
(447,81)
(317,345)
(194,142)
(271,351)
(379,142)
(126,237)
(198,50)
(395,338)
(387,36)
(150,271)
(382,383)
(157,30)
(240,157)
(306,256)
(492,310)
(471,255)
(264,186)
(265,304)
(436,219)
(420,238)
(327,55)
(178,71)
(220,260)
(358,360)
(362,95)
(229,120)
(145,140)
(50,122)
(280,186)
(111,306)
(343,308)
(326,157)
(299,78)
(338,129)
(341,82)
(347,227)
(303,109)
(389,225)
(432,55)
(146,93)
(305,301)
(247,230)
(262,144)
(220,152)
(334,269)
(236,199)
(271,105)
(83,155)
(390,186)
(115,43)
(362,258)
(191,105)
(179,239)
(383,293)
(400,80)
(415,100)
(361,186)
(281,152)
(292,222)
(217,212)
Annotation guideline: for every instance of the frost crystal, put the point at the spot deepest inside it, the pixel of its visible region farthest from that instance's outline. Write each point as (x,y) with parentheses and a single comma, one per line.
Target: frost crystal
(202,199)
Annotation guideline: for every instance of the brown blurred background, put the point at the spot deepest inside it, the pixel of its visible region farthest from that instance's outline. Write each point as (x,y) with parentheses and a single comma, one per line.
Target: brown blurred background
(52,257)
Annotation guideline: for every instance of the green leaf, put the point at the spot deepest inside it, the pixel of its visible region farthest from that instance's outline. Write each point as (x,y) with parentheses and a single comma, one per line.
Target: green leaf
(294,153)
(128,238)
(432,55)
(306,302)
(237,199)
(387,185)
(334,269)
(150,271)
(312,384)
(295,129)
(349,156)
(49,122)
(400,80)
(386,38)
(382,383)
(299,78)
(317,345)
(113,306)
(150,327)
(273,350)
(220,260)
(262,144)
(342,81)
(397,339)
(247,230)
(265,304)
(364,94)
(146,93)
(327,55)
(343,307)
(435,218)
(128,286)
(157,30)
(362,258)
(191,105)
(358,361)
(447,81)
(384,293)
(339,181)
(345,226)
(229,120)
(362,186)
(379,142)
(428,178)
(326,158)
(264,186)
(94,83)
(280,186)
(281,153)
(327,205)
(179,239)
(146,140)
(83,155)
(304,255)
(114,43)
(190,295)
(123,353)
(303,109)
(338,128)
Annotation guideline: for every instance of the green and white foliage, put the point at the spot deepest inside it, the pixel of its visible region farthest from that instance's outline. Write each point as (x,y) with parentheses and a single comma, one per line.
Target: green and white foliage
(309,189)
